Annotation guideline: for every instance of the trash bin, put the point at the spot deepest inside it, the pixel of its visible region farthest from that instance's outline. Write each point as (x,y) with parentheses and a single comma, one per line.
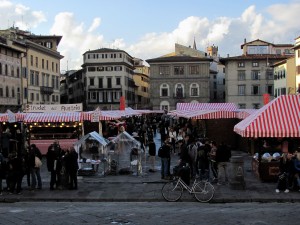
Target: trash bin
(237,181)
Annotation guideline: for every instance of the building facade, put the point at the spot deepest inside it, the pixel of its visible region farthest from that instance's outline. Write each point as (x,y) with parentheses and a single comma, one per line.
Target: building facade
(249,76)
(178,78)
(142,83)
(10,77)
(285,77)
(297,62)
(108,75)
(40,66)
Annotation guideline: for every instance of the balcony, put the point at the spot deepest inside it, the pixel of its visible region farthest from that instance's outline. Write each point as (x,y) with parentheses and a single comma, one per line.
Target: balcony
(46,90)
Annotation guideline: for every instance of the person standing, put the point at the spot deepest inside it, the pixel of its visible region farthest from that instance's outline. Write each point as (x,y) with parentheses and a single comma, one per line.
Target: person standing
(2,171)
(223,155)
(152,153)
(286,169)
(71,160)
(35,169)
(212,159)
(172,137)
(54,164)
(164,154)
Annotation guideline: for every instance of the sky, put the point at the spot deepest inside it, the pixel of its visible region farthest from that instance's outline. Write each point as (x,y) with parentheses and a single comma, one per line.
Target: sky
(149,29)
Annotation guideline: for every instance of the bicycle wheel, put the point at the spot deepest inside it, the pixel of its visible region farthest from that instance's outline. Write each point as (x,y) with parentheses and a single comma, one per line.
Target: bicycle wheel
(172,191)
(204,191)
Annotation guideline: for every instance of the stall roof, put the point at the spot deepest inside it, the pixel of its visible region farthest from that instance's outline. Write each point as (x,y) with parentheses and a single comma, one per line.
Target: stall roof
(279,118)
(207,106)
(93,135)
(125,137)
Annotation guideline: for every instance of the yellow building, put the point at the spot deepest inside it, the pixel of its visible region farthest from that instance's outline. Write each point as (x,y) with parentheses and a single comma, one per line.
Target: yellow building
(297,62)
(40,65)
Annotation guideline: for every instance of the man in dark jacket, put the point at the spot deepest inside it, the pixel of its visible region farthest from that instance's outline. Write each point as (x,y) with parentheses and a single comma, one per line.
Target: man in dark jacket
(71,159)
(54,164)
(223,155)
(164,154)
(152,153)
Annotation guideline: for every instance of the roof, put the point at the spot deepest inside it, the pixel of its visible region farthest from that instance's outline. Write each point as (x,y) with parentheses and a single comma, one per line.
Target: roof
(268,43)
(255,57)
(106,50)
(177,58)
(278,118)
(207,106)
(95,136)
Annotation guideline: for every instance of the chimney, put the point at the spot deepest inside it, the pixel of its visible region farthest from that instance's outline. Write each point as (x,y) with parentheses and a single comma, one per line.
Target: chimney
(245,41)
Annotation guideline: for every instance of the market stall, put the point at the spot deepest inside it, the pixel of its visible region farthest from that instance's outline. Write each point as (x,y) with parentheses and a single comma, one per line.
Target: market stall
(91,152)
(273,128)
(126,152)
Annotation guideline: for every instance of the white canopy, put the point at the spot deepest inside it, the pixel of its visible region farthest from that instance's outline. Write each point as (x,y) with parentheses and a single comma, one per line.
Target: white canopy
(95,136)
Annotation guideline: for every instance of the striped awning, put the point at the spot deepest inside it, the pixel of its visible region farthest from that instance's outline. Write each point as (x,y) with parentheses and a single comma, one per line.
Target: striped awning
(206,106)
(53,117)
(244,113)
(19,117)
(203,114)
(279,118)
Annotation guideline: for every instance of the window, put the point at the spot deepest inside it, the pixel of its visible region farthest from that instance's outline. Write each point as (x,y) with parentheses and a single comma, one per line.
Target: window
(215,85)
(100,82)
(31,77)
(241,64)
(92,81)
(1,92)
(255,64)
(256,105)
(178,70)
(36,62)
(43,64)
(31,60)
(49,44)
(118,81)
(255,75)
(164,90)
(164,70)
(7,92)
(12,92)
(91,69)
(194,90)
(37,80)
(100,68)
(109,84)
(118,68)
(18,72)
(255,90)
(32,96)
(194,69)
(241,89)
(298,53)
(164,105)
(242,106)
(269,89)
(0,68)
(278,51)
(109,68)
(37,96)
(179,91)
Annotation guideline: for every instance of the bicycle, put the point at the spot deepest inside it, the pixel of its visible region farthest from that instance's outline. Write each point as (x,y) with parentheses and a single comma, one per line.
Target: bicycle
(203,190)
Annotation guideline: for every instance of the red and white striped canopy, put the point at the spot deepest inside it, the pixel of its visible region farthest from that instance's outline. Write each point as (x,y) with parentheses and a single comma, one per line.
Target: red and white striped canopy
(279,118)
(19,117)
(206,106)
(244,113)
(205,110)
(53,117)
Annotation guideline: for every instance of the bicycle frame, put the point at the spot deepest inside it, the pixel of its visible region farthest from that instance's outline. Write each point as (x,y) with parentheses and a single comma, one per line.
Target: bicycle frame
(185,186)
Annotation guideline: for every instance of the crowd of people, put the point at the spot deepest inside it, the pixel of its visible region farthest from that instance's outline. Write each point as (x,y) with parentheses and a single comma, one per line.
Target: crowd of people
(289,176)
(62,164)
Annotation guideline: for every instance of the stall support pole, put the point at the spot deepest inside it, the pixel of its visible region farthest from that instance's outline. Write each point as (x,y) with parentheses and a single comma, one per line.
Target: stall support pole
(100,127)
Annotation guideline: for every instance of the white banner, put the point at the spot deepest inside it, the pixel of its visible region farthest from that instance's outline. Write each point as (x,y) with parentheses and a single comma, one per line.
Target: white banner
(54,108)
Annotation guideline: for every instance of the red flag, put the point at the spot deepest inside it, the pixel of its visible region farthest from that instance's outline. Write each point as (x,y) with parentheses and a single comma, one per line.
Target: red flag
(266,98)
(122,103)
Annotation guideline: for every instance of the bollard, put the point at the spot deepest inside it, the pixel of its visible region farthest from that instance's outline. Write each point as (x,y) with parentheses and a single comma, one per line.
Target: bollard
(237,181)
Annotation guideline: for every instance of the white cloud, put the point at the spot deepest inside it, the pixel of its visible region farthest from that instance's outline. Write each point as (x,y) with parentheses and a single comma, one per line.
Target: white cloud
(95,25)
(76,39)
(19,16)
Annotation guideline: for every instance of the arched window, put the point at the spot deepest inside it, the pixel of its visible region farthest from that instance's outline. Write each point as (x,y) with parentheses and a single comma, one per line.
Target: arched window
(194,90)
(179,91)
(164,90)
(164,105)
